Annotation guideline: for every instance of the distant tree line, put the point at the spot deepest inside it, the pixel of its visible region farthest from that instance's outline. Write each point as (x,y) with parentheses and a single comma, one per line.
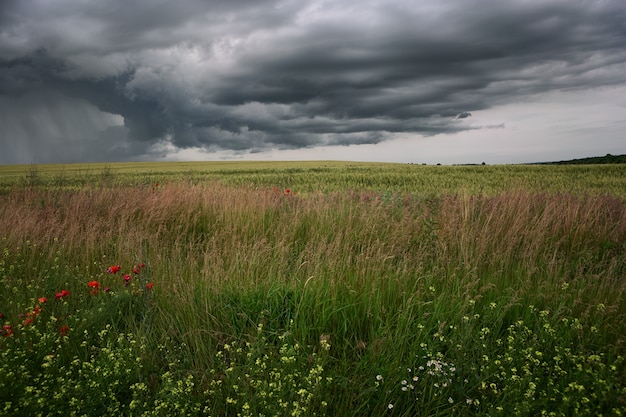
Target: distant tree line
(607,159)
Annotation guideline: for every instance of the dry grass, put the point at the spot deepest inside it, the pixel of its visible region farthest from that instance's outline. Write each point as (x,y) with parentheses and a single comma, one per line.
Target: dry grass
(221,233)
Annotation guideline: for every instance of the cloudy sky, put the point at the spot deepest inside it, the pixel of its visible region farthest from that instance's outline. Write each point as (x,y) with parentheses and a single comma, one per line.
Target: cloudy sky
(448,81)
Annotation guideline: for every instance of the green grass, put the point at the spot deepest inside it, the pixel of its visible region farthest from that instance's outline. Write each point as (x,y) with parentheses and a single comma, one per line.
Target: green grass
(365,290)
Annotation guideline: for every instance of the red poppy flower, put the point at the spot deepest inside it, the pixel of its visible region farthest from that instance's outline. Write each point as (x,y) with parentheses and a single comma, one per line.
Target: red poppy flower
(28,321)
(7,330)
(127,279)
(42,300)
(62,294)
(149,285)
(64,330)
(113,269)
(94,284)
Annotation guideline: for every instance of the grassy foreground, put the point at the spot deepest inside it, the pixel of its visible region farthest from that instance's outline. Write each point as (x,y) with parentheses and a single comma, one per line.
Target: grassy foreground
(329,289)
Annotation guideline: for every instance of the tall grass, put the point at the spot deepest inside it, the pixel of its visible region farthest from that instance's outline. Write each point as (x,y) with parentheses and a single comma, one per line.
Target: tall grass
(363,302)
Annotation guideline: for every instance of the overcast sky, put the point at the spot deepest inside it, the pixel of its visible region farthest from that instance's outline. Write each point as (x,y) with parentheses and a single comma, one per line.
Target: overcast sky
(448,81)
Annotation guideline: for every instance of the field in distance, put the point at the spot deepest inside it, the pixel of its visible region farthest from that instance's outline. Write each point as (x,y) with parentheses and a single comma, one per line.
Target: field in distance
(327,176)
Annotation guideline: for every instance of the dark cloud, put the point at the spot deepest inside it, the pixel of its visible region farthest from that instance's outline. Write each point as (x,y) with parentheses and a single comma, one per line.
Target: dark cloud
(254,75)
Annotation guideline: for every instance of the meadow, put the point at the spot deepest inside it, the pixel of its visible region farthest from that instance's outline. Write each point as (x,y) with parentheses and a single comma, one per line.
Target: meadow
(312,289)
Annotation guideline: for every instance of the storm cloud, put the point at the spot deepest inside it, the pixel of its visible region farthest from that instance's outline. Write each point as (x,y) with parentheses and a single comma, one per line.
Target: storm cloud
(124,80)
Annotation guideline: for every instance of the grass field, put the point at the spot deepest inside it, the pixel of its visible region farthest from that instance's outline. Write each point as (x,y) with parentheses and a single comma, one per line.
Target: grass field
(317,288)
(329,176)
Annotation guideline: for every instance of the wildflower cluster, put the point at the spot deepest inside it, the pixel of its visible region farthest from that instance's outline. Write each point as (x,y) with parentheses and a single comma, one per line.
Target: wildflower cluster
(31,316)
(253,378)
(548,366)
(44,374)
(429,383)
(177,396)
(286,192)
(127,278)
(552,375)
(55,354)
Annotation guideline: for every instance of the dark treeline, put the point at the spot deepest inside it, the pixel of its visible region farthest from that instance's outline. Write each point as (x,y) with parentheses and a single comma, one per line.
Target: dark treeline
(607,159)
